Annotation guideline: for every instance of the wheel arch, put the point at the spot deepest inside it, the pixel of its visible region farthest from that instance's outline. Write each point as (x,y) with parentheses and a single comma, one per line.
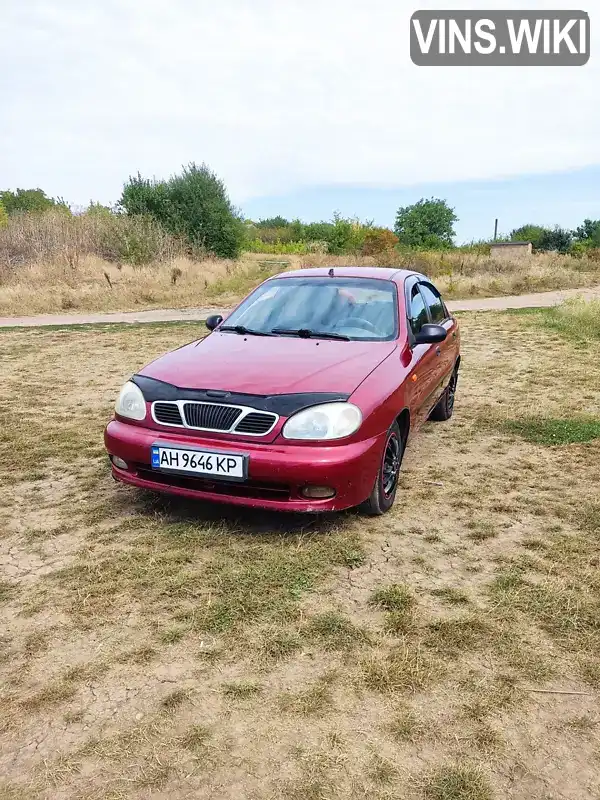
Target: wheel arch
(403,420)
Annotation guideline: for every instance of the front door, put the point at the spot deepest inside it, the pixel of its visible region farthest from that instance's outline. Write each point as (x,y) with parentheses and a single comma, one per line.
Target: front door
(424,371)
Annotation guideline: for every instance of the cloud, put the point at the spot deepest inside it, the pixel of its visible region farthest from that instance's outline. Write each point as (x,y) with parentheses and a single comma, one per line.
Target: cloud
(274,96)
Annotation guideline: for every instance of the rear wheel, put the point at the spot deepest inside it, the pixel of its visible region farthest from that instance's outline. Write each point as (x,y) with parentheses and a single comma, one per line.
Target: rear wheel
(445,406)
(383,495)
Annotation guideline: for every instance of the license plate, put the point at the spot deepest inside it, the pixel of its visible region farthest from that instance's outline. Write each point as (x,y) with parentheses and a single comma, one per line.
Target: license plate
(199,462)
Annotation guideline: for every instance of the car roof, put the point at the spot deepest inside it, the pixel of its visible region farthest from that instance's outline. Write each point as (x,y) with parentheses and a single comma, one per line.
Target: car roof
(383,273)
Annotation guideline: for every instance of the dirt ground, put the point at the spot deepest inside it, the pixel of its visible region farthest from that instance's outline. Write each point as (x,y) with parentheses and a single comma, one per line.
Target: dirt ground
(450,650)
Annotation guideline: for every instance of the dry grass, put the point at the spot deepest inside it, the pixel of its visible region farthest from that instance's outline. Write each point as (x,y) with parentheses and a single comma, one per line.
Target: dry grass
(90,283)
(97,285)
(405,726)
(315,699)
(57,237)
(578,319)
(334,631)
(460,275)
(158,648)
(457,783)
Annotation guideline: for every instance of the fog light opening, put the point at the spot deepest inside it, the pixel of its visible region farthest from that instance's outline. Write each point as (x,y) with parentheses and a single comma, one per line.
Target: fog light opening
(118,462)
(317,492)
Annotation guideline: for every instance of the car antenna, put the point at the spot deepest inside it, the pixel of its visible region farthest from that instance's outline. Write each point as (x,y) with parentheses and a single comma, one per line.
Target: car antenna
(331,273)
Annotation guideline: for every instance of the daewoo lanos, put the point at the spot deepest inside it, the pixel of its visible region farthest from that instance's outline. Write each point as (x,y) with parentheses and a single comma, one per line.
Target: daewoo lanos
(302,399)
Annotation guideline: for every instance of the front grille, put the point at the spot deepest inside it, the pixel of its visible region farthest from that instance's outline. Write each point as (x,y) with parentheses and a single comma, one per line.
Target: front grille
(256,423)
(210,417)
(167,413)
(198,415)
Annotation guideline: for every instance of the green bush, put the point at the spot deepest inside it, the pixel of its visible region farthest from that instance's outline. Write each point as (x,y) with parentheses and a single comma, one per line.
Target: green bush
(98,210)
(273,235)
(342,235)
(3,216)
(579,249)
(193,206)
(26,201)
(339,236)
(277,248)
(558,240)
(273,222)
(544,239)
(378,240)
(588,233)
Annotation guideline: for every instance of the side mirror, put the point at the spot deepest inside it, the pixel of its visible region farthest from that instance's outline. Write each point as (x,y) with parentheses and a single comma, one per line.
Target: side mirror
(213,321)
(430,334)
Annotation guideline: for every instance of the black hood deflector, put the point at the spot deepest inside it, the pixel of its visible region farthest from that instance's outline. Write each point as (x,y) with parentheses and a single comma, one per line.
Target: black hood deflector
(282,404)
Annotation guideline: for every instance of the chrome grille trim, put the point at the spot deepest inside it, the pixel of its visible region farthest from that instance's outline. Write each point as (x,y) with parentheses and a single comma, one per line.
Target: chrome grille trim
(169,410)
(244,411)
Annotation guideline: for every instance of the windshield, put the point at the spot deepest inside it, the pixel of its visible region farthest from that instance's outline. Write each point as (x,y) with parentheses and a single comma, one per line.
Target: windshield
(354,308)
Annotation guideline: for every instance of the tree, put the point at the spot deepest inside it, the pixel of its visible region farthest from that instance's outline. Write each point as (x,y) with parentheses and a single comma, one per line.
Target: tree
(558,239)
(428,224)
(193,205)
(543,239)
(588,233)
(273,222)
(26,200)
(528,233)
(3,217)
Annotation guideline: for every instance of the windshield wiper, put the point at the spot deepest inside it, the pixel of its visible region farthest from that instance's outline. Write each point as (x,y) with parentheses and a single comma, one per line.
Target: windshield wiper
(242,330)
(306,333)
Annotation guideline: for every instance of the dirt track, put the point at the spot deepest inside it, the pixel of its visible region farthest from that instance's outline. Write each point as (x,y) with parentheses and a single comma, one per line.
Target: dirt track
(540,300)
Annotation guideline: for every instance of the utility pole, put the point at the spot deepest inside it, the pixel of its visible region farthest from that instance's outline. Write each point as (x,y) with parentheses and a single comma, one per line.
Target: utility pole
(496,230)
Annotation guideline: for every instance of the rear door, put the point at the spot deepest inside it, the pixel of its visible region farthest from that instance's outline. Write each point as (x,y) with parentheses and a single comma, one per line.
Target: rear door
(446,350)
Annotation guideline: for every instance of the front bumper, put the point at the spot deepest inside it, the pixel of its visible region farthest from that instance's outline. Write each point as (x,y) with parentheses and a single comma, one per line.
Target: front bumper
(276,472)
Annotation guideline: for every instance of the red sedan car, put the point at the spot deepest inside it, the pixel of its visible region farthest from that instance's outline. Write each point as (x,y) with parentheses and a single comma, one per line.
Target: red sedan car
(302,399)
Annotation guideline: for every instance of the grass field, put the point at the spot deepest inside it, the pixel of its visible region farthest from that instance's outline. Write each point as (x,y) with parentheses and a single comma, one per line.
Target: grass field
(91,284)
(447,651)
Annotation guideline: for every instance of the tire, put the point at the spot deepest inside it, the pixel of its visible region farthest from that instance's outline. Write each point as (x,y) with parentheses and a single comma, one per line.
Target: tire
(383,495)
(445,406)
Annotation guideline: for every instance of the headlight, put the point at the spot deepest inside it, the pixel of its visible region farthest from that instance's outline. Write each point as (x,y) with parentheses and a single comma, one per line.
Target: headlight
(131,403)
(329,421)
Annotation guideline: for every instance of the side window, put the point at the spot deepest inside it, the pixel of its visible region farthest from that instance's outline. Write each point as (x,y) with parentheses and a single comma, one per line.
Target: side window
(417,311)
(434,301)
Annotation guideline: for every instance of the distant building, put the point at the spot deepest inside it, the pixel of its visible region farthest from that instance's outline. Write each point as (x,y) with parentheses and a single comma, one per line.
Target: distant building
(511,249)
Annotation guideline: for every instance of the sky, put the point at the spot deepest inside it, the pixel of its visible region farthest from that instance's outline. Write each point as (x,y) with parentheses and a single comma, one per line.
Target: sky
(302,107)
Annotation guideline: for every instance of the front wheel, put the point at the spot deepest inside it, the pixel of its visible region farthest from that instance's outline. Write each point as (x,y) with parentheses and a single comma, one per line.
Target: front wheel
(383,495)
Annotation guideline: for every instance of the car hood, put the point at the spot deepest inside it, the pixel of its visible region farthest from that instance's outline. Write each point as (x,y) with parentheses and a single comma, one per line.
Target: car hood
(269,365)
